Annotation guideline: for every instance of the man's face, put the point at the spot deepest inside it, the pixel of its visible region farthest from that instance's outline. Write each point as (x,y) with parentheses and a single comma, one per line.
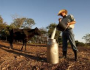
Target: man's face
(63,14)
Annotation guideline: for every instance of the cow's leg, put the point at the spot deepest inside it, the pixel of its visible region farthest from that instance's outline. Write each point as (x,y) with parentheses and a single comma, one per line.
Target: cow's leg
(22,45)
(11,44)
(25,45)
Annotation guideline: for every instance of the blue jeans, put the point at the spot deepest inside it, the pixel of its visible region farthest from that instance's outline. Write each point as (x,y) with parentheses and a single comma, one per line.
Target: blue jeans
(68,35)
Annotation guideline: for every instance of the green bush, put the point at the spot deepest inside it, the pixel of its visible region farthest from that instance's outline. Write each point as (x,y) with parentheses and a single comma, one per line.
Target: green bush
(79,43)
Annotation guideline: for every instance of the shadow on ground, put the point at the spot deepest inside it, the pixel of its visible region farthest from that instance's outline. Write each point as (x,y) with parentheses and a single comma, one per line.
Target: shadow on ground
(26,54)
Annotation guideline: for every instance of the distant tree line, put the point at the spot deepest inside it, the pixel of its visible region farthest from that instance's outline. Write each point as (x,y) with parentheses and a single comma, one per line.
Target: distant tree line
(27,23)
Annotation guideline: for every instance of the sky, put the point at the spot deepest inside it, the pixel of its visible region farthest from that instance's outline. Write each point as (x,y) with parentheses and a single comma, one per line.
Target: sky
(44,12)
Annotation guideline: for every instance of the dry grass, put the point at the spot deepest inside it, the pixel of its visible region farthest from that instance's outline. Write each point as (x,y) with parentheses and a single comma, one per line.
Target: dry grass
(35,58)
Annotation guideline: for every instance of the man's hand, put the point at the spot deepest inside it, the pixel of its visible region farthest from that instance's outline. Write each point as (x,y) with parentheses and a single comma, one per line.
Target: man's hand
(68,24)
(59,19)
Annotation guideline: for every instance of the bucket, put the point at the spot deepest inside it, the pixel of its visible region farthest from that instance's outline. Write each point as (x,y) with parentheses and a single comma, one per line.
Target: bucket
(61,26)
(52,51)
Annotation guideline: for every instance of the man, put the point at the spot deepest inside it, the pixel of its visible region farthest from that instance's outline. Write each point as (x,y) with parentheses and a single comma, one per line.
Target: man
(68,33)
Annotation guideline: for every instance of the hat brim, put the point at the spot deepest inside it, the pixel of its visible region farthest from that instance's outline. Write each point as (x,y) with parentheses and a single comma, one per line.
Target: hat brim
(63,10)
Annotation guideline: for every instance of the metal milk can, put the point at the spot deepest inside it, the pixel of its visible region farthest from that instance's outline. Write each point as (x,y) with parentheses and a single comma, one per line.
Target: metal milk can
(52,51)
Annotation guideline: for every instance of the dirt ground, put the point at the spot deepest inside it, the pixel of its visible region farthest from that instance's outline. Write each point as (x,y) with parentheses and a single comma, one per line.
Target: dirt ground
(35,58)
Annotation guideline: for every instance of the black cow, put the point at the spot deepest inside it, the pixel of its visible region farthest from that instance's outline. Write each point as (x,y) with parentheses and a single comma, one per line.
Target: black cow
(22,35)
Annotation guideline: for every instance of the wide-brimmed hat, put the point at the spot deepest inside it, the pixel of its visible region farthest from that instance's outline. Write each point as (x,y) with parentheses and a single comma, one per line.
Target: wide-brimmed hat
(63,10)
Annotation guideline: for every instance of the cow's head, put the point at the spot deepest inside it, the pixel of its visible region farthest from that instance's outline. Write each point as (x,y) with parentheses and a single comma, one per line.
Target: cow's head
(37,31)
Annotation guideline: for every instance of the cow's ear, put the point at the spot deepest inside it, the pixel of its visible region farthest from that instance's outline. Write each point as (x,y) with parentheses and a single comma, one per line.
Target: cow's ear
(36,28)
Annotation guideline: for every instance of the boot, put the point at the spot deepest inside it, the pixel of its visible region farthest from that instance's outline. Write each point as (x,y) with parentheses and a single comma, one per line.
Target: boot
(64,54)
(75,53)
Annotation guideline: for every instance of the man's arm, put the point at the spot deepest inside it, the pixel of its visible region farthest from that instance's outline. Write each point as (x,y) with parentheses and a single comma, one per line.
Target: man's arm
(70,23)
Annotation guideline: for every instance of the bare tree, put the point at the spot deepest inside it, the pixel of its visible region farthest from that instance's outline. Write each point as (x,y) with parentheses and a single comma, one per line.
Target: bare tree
(86,38)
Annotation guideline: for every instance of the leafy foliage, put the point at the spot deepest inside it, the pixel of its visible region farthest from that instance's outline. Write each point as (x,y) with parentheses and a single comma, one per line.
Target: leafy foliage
(2,24)
(86,38)
(79,43)
(1,20)
(23,23)
(3,30)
